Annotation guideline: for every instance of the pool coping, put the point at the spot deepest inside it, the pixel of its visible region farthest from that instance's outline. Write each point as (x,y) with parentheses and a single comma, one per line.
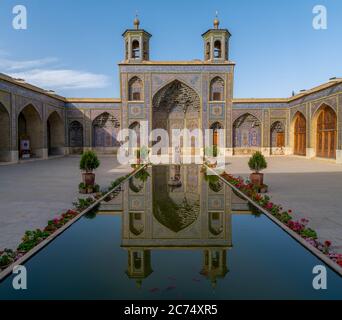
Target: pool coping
(9,270)
(334,266)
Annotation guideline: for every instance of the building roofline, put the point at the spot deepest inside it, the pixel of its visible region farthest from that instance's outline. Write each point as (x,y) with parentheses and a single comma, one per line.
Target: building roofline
(178,63)
(23,84)
(92,100)
(217,30)
(261,100)
(137,31)
(321,87)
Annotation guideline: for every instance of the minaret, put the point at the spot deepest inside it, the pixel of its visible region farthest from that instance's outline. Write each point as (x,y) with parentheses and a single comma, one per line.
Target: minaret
(137,43)
(216,43)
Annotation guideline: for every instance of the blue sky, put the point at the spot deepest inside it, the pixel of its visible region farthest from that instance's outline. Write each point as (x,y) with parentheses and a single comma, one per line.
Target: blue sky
(74,46)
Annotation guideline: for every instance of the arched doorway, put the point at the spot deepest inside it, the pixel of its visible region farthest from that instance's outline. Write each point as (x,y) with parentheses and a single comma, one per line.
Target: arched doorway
(277,138)
(105,130)
(4,134)
(326,133)
(246,135)
(76,137)
(175,108)
(55,135)
(216,127)
(299,135)
(30,133)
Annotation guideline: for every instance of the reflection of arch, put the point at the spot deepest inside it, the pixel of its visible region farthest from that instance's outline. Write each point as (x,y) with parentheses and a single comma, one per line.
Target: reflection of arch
(246,134)
(216,127)
(76,137)
(325,123)
(299,134)
(30,128)
(135,89)
(216,223)
(55,134)
(136,49)
(217,49)
(217,89)
(4,134)
(277,138)
(105,128)
(136,224)
(176,212)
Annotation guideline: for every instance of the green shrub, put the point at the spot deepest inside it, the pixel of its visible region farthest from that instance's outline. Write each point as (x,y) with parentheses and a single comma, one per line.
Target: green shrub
(257,162)
(82,186)
(89,161)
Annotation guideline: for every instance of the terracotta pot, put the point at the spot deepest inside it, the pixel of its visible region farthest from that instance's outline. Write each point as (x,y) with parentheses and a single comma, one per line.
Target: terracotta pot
(257,179)
(88,179)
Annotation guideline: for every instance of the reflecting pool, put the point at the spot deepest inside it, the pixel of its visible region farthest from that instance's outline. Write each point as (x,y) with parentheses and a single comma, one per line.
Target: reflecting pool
(173,233)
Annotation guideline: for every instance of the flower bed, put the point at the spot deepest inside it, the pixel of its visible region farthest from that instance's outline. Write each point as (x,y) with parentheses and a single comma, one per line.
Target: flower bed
(32,238)
(300,227)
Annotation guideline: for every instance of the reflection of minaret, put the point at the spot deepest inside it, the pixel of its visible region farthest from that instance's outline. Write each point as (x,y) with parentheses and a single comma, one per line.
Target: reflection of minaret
(139,265)
(215,265)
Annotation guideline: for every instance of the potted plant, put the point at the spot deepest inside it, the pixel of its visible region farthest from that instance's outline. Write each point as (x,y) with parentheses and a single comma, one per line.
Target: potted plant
(257,163)
(89,162)
(82,188)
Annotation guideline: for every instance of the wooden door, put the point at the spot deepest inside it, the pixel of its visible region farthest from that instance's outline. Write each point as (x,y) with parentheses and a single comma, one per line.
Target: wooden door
(280,140)
(326,134)
(300,135)
(216,138)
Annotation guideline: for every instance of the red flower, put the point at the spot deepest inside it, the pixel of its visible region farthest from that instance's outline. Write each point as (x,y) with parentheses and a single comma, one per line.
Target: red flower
(327,244)
(290,211)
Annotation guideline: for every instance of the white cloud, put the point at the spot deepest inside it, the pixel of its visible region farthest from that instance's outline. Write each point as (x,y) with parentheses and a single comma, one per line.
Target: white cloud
(46,74)
(63,79)
(12,65)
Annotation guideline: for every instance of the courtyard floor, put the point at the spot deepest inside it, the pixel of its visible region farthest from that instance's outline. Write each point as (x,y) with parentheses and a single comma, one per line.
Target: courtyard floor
(33,193)
(311,188)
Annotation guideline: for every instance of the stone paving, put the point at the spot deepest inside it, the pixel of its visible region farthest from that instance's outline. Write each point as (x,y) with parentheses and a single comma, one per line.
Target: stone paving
(311,188)
(34,192)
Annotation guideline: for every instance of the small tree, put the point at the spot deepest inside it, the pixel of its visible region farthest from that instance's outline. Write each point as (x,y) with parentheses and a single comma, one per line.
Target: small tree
(89,162)
(257,162)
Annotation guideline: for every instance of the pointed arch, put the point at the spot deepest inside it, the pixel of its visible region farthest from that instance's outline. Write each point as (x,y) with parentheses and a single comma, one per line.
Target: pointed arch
(76,137)
(208,51)
(216,127)
(5,129)
(246,134)
(277,138)
(136,53)
(135,89)
(55,134)
(217,86)
(299,125)
(105,130)
(218,49)
(325,132)
(30,132)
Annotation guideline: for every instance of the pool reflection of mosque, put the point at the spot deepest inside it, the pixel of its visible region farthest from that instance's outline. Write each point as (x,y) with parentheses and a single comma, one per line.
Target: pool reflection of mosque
(178,208)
